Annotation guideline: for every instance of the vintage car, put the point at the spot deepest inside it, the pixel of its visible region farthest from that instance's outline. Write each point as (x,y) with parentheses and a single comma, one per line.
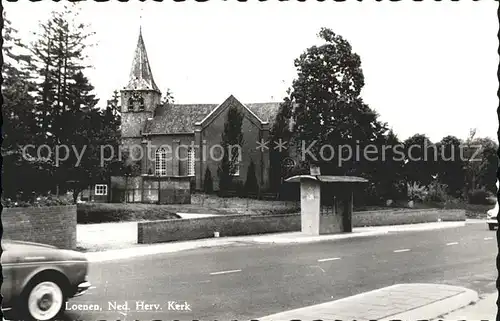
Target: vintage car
(38,279)
(491,218)
(491,215)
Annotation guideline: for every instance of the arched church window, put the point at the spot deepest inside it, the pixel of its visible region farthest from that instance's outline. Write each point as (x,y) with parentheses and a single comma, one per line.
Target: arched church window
(161,162)
(130,105)
(141,103)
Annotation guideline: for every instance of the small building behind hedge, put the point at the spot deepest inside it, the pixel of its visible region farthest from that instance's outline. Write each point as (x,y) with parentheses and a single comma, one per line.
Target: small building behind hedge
(99,193)
(151,189)
(141,189)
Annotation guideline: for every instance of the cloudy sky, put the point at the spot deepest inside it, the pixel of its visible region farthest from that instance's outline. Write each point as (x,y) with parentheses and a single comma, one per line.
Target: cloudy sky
(430,67)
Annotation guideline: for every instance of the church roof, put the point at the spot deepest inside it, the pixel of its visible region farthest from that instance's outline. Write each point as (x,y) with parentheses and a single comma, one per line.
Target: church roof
(181,118)
(141,77)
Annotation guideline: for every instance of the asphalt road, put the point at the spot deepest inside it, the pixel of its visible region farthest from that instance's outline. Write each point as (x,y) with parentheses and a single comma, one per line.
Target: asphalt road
(250,281)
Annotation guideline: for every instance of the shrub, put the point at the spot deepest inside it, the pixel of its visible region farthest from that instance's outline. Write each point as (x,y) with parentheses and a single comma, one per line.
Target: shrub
(40,201)
(436,192)
(251,185)
(372,194)
(278,211)
(208,183)
(481,197)
(238,187)
(416,192)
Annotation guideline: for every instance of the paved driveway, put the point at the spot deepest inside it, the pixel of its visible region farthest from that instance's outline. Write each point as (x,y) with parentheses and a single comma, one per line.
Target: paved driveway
(103,236)
(107,236)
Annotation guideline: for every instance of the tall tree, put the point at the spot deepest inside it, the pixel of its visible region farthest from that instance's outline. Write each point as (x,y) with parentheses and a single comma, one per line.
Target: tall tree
(281,130)
(17,90)
(450,165)
(386,174)
(421,157)
(328,108)
(96,133)
(18,121)
(63,92)
(231,142)
(59,55)
(482,164)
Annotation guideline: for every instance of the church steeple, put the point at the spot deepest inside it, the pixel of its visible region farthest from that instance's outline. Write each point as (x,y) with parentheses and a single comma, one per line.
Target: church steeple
(141,77)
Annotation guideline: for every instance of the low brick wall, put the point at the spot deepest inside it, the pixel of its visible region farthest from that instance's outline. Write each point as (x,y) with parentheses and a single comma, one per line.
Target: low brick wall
(234,225)
(407,216)
(227,225)
(53,225)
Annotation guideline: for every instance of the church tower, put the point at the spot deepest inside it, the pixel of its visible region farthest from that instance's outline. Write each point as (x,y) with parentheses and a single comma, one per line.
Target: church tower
(139,98)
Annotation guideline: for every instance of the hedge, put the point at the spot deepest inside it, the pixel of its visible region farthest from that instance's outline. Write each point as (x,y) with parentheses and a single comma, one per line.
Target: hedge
(89,213)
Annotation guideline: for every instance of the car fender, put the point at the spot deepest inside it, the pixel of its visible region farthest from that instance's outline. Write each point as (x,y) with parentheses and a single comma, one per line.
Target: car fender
(26,274)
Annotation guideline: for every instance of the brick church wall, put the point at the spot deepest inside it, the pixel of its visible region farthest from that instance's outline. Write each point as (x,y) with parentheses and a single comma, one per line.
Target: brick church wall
(174,166)
(251,134)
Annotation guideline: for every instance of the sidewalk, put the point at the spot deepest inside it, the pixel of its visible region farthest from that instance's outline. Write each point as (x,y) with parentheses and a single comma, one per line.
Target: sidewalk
(484,309)
(396,302)
(115,246)
(298,237)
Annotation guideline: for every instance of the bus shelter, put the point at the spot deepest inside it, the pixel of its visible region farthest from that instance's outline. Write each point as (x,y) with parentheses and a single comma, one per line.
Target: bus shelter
(326,202)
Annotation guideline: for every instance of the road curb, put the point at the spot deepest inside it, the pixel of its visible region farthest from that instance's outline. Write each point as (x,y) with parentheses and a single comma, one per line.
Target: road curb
(484,309)
(439,308)
(314,239)
(425,226)
(371,231)
(152,249)
(396,302)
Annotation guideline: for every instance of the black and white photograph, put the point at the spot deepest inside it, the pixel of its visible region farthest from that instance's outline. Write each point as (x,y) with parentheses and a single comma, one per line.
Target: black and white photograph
(250,160)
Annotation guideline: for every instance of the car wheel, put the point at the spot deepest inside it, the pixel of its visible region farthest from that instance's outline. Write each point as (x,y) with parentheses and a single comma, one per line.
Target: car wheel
(491,226)
(43,300)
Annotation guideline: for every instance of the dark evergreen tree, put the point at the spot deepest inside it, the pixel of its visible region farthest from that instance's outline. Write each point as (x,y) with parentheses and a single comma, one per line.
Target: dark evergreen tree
(59,55)
(232,142)
(208,183)
(18,122)
(63,94)
(280,131)
(251,184)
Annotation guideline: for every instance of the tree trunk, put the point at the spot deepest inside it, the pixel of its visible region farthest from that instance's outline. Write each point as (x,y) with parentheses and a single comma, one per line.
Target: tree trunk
(76,192)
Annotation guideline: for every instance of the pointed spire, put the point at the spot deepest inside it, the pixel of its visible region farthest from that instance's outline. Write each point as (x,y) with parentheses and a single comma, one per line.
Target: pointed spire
(141,77)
